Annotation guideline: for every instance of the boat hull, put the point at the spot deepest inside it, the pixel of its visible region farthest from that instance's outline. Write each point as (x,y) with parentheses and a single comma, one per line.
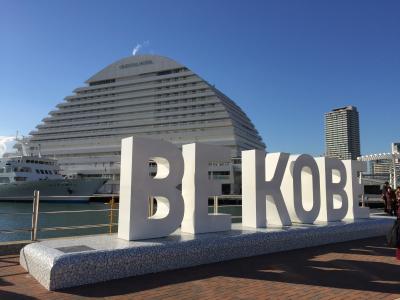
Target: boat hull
(51,190)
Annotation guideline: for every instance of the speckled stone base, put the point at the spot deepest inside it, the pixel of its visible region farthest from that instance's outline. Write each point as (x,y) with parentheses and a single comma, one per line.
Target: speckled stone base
(68,262)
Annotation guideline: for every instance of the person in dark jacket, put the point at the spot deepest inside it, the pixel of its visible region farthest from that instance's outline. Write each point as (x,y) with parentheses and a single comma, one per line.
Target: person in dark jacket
(384,190)
(390,201)
(398,233)
(397,193)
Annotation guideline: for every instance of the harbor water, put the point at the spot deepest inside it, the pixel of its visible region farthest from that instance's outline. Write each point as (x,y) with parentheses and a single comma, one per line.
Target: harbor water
(24,221)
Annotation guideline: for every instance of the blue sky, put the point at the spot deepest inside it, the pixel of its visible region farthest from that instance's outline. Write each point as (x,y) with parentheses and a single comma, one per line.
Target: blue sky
(285,63)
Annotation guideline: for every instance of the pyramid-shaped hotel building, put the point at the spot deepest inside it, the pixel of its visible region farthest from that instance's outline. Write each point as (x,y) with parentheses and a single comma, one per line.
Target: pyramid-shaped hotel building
(143,95)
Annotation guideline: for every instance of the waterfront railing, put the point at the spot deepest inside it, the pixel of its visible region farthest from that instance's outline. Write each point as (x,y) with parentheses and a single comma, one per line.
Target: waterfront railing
(230,204)
(34,229)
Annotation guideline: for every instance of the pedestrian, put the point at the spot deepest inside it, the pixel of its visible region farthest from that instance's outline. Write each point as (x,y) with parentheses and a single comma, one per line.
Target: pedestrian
(384,190)
(390,201)
(398,230)
(393,236)
(397,196)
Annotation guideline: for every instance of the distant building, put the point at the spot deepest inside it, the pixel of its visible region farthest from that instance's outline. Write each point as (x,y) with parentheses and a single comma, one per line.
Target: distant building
(342,133)
(384,168)
(141,96)
(381,166)
(395,148)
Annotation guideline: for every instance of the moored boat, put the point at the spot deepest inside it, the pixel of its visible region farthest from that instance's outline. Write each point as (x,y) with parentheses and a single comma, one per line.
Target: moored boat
(21,175)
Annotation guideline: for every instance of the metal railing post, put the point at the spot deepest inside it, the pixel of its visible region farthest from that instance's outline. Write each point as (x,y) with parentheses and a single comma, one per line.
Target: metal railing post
(35,214)
(151,206)
(111,213)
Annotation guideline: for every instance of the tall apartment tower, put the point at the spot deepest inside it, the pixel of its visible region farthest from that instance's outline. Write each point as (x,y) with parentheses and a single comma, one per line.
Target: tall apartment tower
(342,133)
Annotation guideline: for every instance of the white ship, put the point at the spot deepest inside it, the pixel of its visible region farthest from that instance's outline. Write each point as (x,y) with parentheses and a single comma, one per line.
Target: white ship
(21,175)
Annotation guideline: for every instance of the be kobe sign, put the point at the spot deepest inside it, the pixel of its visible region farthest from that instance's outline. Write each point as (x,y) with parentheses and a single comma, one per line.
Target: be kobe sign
(277,188)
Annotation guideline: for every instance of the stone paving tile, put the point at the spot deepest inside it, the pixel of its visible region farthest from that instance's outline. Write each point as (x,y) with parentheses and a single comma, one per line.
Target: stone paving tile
(363,269)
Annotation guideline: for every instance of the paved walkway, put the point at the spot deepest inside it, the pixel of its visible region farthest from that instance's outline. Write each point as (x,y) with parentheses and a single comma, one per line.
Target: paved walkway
(363,269)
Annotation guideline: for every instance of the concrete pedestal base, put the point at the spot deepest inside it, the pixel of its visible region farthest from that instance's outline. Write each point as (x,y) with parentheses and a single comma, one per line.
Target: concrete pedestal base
(68,262)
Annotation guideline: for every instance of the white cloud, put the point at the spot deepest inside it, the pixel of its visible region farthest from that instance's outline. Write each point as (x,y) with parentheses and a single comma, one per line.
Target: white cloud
(136,49)
(139,46)
(6,144)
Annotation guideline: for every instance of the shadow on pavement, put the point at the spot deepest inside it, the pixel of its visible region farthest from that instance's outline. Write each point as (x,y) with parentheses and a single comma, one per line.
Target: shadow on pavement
(365,265)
